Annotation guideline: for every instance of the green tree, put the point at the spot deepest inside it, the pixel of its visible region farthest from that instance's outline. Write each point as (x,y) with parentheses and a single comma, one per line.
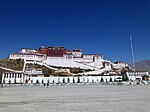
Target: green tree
(106,81)
(37,81)
(63,80)
(110,80)
(53,81)
(68,80)
(92,80)
(78,81)
(102,80)
(42,81)
(73,80)
(97,80)
(48,81)
(9,81)
(31,81)
(26,81)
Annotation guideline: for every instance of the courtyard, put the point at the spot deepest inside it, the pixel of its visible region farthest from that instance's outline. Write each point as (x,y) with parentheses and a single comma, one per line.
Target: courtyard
(75,98)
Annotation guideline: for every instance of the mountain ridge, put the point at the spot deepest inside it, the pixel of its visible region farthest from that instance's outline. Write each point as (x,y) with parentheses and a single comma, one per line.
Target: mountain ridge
(143,65)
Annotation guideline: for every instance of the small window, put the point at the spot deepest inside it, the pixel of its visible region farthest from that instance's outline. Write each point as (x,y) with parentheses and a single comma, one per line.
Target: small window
(12,75)
(9,75)
(18,75)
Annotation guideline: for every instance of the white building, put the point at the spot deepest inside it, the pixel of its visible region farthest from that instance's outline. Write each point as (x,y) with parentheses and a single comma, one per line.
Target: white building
(121,63)
(73,59)
(137,75)
(85,62)
(34,72)
(28,55)
(77,53)
(13,77)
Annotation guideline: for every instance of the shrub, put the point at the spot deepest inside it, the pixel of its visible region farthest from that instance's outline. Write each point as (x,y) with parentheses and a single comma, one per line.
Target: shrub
(31,81)
(68,80)
(92,81)
(78,81)
(53,81)
(73,80)
(37,81)
(110,80)
(63,80)
(42,81)
(102,80)
(9,81)
(26,81)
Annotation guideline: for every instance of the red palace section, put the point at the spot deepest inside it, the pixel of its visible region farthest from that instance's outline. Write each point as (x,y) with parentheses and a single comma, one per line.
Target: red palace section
(53,51)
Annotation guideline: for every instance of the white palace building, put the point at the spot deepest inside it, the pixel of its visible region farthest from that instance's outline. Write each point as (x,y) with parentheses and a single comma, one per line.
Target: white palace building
(65,58)
(52,57)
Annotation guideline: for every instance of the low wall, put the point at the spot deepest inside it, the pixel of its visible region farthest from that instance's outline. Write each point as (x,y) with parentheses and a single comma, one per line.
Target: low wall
(83,79)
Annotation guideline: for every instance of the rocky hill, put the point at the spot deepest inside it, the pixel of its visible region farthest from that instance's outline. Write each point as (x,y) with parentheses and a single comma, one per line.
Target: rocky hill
(12,64)
(18,65)
(143,65)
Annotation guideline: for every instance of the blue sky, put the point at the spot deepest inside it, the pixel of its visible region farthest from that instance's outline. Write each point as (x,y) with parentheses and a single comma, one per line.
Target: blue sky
(95,26)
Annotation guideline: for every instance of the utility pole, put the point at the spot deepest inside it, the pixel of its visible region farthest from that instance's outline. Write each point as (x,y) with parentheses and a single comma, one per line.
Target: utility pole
(132,50)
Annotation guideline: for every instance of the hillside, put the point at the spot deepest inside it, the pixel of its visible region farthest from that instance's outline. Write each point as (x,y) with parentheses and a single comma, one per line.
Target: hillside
(143,65)
(12,64)
(18,65)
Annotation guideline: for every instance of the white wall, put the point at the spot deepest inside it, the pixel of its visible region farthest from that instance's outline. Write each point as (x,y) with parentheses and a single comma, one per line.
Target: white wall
(27,57)
(84,79)
(11,77)
(75,62)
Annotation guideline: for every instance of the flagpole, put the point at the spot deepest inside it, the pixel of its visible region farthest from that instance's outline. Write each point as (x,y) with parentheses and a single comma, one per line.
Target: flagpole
(133,58)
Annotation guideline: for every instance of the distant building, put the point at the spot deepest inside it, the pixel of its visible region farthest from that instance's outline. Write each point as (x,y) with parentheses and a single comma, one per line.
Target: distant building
(34,72)
(28,55)
(121,63)
(107,65)
(77,53)
(137,75)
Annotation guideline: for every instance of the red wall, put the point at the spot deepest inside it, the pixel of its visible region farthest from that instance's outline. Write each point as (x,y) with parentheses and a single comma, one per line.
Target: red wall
(53,51)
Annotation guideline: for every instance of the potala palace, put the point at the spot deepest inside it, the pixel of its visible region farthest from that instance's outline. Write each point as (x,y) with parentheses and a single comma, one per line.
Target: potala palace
(54,57)
(61,57)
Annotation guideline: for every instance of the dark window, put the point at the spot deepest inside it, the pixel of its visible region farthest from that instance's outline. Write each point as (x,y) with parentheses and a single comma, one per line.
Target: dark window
(12,75)
(4,75)
(16,75)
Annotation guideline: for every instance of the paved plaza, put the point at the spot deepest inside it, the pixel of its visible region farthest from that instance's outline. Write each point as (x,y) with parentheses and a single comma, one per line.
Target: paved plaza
(75,98)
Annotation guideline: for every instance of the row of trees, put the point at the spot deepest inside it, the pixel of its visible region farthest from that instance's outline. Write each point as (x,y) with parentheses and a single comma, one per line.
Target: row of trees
(73,81)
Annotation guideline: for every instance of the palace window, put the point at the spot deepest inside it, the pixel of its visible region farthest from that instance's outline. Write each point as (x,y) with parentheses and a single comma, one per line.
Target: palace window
(12,75)
(9,75)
